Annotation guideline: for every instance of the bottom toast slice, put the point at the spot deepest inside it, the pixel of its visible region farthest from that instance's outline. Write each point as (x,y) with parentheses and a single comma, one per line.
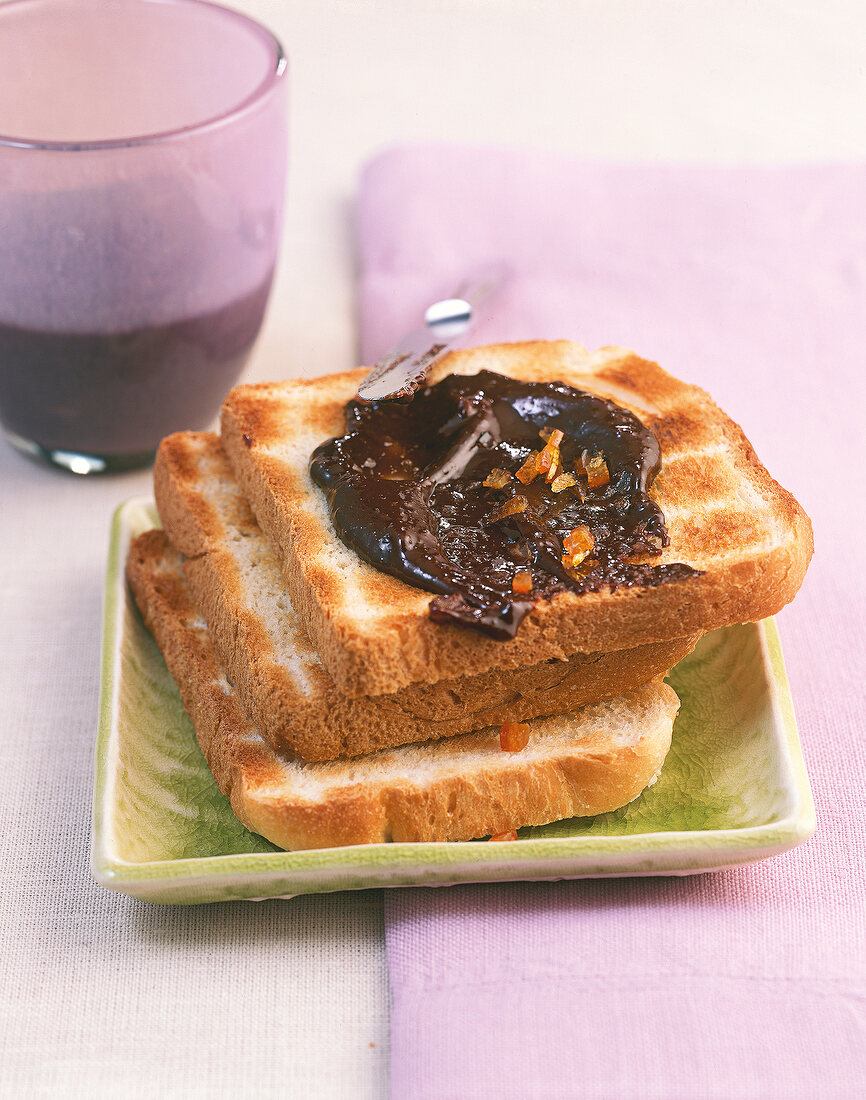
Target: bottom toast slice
(590,761)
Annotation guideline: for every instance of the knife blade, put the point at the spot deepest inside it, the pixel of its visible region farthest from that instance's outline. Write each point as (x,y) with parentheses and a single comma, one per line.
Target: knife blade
(403,369)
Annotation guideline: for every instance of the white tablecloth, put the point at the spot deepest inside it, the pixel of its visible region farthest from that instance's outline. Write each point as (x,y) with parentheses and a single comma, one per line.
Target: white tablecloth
(101,995)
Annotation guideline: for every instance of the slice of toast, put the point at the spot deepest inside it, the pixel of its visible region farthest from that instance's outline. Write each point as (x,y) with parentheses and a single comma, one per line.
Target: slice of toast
(725,515)
(234,574)
(588,762)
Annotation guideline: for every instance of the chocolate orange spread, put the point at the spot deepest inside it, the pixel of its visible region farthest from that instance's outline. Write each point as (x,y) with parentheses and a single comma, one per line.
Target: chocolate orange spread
(495,493)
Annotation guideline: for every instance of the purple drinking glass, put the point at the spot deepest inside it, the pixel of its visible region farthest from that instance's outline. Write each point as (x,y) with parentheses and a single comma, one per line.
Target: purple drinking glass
(142,174)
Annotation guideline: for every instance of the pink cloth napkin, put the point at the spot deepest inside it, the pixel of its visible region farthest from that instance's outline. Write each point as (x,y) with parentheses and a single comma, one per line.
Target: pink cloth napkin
(752,283)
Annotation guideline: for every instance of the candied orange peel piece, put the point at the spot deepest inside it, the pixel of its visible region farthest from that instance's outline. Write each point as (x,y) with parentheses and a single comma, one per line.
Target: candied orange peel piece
(511,507)
(513,736)
(510,835)
(572,561)
(578,565)
(529,469)
(577,545)
(549,461)
(496,479)
(552,435)
(578,538)
(595,468)
(544,462)
(563,481)
(522,581)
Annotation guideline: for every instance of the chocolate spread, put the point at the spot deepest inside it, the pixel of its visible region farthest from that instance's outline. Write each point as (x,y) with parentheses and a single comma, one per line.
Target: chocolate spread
(405,489)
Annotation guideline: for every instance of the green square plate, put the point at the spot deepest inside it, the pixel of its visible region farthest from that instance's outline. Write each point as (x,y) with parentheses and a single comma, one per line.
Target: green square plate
(734,787)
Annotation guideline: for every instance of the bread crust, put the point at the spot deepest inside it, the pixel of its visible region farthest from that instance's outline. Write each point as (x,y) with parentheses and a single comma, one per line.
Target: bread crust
(726,517)
(234,573)
(589,762)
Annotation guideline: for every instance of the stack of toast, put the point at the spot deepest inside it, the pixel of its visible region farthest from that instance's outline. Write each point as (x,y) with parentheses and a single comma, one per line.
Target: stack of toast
(332,709)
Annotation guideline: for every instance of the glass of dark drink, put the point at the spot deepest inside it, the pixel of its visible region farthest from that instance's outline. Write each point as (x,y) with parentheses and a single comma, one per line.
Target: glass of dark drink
(142,174)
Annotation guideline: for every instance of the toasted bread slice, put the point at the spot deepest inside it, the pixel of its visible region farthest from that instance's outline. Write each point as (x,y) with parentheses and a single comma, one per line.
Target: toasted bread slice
(726,517)
(588,762)
(234,573)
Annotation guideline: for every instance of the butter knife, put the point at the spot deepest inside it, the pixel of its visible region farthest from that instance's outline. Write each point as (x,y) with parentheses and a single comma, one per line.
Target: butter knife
(403,370)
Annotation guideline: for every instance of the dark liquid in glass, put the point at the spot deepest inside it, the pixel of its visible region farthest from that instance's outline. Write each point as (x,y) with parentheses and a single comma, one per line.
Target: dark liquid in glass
(117,394)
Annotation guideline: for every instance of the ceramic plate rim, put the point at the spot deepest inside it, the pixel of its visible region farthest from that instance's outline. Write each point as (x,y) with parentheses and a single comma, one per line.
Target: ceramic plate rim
(248,874)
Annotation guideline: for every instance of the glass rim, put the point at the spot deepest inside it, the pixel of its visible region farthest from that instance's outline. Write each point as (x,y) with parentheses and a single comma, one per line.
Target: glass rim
(271,80)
